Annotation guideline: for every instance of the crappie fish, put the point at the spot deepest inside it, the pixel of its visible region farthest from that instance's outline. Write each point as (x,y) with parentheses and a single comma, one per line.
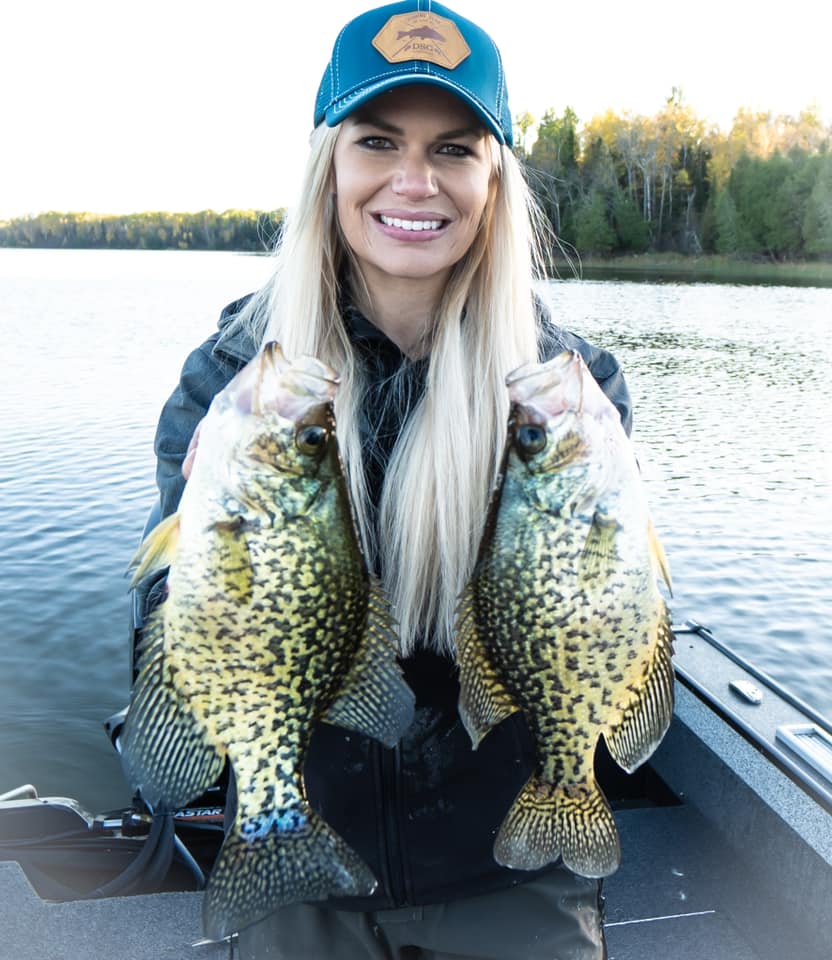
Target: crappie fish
(563,618)
(271,624)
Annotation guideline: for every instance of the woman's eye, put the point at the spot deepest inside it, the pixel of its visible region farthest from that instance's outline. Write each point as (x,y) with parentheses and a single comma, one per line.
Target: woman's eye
(455,150)
(376,143)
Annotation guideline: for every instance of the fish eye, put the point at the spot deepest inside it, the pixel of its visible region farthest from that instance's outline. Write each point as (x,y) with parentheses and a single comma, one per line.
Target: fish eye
(531,438)
(311,439)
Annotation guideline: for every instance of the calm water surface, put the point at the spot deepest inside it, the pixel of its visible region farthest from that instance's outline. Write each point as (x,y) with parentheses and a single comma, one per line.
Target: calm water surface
(732,403)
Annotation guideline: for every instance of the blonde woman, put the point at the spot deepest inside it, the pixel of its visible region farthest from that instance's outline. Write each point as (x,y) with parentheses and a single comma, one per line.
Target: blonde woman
(408,265)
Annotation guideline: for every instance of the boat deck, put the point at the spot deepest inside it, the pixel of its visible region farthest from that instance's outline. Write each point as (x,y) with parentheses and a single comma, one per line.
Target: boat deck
(680,894)
(726,855)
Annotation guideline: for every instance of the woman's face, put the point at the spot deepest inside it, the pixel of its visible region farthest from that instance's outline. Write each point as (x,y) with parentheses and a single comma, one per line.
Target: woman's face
(411,171)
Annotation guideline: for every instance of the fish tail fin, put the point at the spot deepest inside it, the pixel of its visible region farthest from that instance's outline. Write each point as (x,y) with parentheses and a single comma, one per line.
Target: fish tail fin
(277,859)
(571,821)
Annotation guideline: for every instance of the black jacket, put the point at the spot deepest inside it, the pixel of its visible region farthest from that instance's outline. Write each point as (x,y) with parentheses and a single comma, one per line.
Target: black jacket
(423,815)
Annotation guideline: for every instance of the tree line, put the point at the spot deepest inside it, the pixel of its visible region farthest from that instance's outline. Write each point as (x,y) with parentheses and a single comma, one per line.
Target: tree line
(243,230)
(620,183)
(631,184)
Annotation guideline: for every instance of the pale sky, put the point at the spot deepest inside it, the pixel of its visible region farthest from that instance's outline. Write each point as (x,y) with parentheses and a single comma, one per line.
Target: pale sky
(113,106)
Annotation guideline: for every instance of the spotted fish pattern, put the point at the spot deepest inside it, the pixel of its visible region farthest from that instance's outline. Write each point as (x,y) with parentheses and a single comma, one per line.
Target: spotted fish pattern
(563,617)
(271,624)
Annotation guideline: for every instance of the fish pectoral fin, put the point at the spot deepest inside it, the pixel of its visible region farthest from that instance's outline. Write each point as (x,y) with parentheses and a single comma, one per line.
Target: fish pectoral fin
(284,860)
(571,821)
(600,551)
(483,699)
(375,699)
(646,719)
(235,574)
(157,550)
(164,751)
(658,555)
(295,495)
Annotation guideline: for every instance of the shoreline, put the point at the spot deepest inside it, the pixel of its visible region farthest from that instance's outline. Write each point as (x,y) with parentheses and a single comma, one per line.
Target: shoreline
(705,268)
(650,267)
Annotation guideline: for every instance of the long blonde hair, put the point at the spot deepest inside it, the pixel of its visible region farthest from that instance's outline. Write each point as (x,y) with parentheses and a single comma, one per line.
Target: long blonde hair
(441,472)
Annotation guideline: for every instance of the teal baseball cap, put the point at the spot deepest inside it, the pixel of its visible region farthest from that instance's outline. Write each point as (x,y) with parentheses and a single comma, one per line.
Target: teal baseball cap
(415,41)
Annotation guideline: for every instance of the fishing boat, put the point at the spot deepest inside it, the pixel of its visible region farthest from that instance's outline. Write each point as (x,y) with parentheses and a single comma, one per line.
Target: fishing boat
(726,836)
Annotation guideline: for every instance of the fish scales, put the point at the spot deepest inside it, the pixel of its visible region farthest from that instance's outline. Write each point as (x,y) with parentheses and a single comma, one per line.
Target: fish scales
(271,625)
(563,618)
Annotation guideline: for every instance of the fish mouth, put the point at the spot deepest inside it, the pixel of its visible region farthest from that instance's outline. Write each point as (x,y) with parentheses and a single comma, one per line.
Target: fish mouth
(551,388)
(292,389)
(562,385)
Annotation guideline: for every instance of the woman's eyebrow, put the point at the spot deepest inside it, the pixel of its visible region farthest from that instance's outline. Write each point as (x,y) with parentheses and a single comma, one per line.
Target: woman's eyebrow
(374,121)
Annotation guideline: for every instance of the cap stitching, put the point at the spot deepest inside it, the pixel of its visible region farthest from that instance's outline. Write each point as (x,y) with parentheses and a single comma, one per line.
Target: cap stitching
(500,84)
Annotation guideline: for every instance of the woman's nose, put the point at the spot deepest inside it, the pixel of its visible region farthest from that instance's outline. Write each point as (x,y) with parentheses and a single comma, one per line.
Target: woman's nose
(415,178)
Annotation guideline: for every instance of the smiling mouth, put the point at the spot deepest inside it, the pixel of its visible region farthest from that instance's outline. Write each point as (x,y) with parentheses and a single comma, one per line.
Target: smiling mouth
(415,225)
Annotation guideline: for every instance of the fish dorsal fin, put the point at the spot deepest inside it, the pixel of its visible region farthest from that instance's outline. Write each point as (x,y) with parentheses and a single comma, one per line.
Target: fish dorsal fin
(646,718)
(483,699)
(658,555)
(165,751)
(157,550)
(375,700)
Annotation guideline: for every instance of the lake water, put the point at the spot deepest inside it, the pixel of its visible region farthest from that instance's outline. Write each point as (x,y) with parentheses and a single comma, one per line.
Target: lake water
(731,387)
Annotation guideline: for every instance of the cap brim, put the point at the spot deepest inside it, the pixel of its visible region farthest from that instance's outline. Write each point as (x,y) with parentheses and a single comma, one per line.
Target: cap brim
(348,104)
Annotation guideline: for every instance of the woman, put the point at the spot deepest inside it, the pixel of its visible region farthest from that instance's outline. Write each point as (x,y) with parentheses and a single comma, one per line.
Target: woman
(408,266)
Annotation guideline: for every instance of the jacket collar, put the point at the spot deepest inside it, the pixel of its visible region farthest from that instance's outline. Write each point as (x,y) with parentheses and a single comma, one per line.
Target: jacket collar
(235,343)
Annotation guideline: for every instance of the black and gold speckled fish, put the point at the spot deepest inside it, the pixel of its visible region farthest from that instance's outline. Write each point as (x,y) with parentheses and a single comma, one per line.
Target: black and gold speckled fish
(271,624)
(563,618)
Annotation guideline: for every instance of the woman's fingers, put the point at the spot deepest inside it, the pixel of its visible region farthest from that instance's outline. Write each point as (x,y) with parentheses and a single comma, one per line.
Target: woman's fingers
(190,455)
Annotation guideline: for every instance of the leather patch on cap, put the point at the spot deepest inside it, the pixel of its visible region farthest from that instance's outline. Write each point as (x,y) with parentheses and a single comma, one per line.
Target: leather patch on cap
(422,36)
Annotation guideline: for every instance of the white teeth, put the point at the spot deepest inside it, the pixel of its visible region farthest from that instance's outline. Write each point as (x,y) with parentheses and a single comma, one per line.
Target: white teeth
(410,224)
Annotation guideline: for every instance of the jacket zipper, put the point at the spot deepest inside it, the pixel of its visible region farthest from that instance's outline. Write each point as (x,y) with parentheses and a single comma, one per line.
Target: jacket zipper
(389,768)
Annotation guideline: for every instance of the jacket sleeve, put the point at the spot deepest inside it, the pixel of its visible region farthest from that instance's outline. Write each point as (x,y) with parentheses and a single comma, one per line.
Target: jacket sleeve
(203,376)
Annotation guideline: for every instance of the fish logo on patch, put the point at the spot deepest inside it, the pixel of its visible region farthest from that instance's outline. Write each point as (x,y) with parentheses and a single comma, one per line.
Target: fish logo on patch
(422,36)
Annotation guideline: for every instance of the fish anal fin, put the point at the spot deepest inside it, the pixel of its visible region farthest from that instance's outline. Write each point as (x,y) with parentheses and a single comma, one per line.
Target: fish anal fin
(286,859)
(375,699)
(164,750)
(157,550)
(646,718)
(484,700)
(568,821)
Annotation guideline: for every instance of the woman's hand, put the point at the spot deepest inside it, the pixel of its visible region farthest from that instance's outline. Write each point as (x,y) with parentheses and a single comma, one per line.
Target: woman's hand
(190,455)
